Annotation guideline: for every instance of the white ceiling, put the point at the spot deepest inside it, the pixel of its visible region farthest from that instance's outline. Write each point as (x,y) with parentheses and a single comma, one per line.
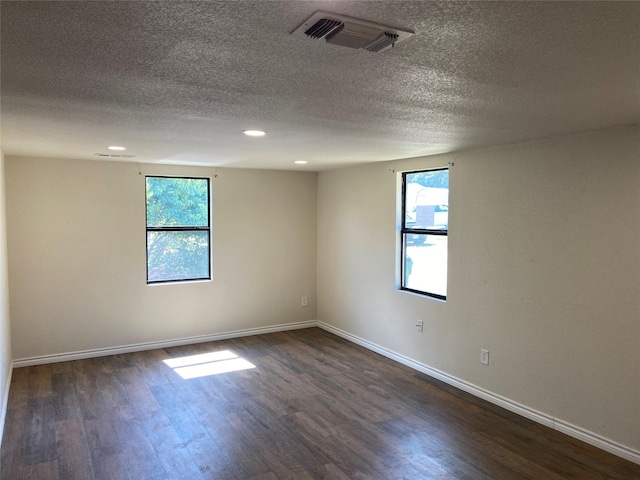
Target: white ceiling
(176,82)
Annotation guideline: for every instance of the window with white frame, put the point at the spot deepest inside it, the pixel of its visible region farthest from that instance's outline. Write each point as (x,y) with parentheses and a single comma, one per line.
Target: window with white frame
(425,228)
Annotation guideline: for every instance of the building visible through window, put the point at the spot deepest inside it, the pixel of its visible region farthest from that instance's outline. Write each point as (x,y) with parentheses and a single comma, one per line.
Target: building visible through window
(178,229)
(425,228)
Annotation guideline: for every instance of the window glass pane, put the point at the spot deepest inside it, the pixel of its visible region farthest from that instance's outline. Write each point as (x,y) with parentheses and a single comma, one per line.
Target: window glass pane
(425,263)
(427,200)
(181,255)
(177,202)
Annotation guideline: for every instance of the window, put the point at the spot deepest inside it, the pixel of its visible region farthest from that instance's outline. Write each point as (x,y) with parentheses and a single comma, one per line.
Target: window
(178,229)
(425,225)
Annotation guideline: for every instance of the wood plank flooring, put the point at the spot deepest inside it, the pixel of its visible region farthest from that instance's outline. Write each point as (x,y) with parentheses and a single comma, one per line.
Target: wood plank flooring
(314,407)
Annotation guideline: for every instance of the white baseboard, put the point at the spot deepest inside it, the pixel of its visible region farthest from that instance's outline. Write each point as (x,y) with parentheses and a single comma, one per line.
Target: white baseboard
(5,403)
(138,347)
(527,412)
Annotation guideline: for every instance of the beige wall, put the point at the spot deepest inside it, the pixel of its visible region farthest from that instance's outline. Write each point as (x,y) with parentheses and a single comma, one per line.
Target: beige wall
(76,237)
(544,267)
(5,330)
(544,272)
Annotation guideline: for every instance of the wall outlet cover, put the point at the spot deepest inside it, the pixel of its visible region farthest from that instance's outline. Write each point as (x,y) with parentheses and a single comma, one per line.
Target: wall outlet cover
(484,356)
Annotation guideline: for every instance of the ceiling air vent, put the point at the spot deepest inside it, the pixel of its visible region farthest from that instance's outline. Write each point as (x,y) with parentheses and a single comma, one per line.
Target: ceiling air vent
(322,27)
(385,40)
(351,32)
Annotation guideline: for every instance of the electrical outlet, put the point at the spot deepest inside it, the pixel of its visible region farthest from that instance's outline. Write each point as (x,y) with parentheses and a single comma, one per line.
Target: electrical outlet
(305,301)
(419,325)
(484,356)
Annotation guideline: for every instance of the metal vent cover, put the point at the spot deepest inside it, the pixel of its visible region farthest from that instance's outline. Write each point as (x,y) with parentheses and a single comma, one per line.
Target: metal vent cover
(384,40)
(322,27)
(351,32)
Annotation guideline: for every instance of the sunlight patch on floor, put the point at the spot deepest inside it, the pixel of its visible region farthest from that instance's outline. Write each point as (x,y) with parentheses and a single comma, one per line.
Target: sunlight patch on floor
(206,364)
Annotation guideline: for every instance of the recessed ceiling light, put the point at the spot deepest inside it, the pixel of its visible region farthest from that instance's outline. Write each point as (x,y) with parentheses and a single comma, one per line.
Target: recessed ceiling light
(115,147)
(300,162)
(254,133)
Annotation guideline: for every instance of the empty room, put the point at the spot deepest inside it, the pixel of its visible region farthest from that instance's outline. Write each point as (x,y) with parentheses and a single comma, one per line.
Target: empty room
(299,239)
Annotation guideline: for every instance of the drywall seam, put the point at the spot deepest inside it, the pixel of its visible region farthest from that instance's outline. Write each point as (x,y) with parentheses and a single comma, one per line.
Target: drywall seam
(138,347)
(527,412)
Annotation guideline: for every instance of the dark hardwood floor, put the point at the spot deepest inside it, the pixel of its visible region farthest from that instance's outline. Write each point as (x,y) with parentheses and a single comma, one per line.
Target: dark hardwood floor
(314,407)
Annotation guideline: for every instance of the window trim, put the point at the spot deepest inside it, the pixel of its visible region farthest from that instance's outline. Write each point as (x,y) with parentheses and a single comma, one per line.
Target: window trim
(404,230)
(177,229)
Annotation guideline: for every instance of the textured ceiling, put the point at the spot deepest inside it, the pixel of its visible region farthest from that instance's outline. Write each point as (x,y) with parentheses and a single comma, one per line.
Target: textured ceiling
(176,82)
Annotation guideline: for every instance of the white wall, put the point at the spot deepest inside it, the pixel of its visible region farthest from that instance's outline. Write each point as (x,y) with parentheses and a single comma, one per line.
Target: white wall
(544,272)
(5,330)
(76,237)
